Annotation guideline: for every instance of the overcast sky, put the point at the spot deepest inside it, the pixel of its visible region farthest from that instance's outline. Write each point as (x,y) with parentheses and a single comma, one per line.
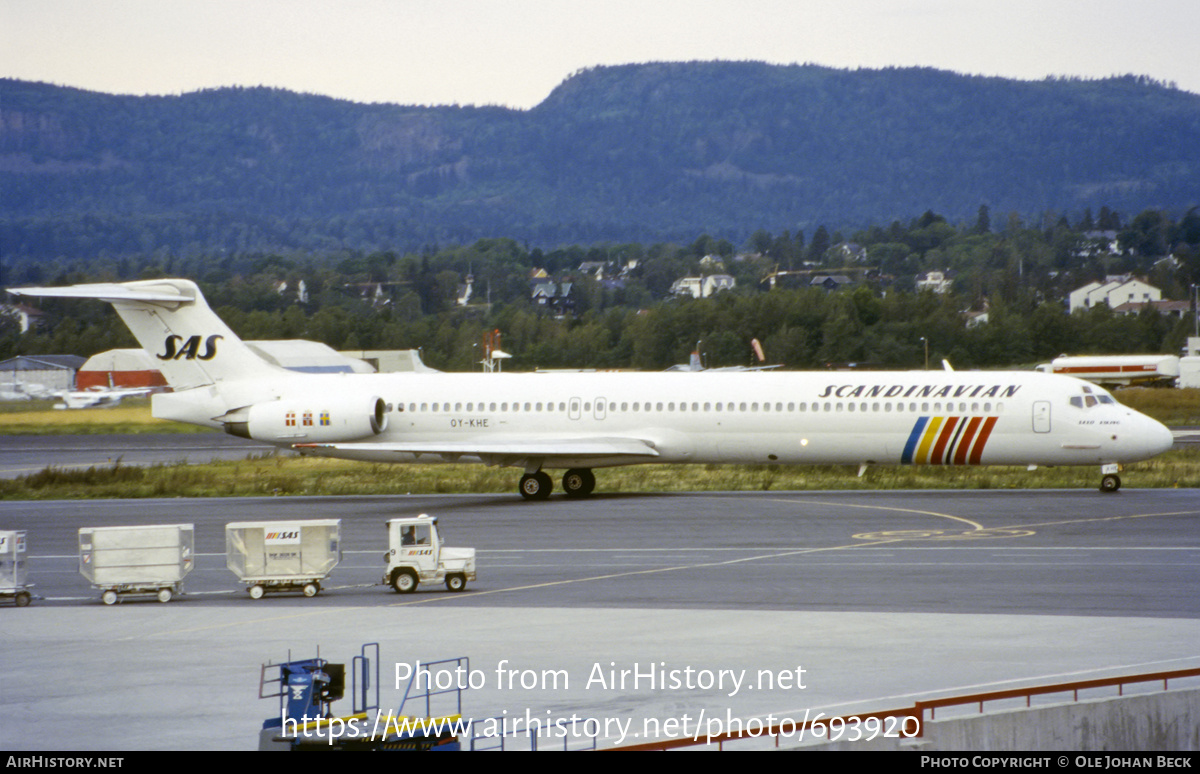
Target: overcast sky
(513,52)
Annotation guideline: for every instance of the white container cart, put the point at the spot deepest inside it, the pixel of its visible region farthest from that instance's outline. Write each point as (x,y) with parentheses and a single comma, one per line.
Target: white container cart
(13,568)
(283,555)
(124,561)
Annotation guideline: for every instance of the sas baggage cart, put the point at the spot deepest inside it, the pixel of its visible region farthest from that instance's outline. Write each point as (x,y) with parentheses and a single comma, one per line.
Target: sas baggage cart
(124,561)
(283,555)
(13,569)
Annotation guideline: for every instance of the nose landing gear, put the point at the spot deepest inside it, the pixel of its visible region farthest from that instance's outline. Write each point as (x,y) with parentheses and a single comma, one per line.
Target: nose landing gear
(1110,481)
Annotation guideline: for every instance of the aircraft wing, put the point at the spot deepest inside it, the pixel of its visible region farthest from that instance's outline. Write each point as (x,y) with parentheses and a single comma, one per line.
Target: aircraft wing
(501,451)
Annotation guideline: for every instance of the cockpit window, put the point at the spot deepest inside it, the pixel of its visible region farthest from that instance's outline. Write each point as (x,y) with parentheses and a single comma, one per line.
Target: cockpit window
(1092,397)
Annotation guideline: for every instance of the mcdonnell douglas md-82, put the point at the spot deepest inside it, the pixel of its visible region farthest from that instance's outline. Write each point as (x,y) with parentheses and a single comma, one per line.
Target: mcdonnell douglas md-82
(581,421)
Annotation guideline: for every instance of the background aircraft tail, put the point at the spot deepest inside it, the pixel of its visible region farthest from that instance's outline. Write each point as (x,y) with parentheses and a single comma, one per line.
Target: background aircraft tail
(173,322)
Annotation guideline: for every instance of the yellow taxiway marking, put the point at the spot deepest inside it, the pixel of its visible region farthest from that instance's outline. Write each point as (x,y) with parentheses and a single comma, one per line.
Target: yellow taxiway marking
(1114,518)
(976,532)
(952,517)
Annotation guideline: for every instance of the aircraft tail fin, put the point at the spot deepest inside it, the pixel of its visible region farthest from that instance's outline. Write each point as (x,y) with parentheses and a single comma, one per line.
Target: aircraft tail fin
(172,321)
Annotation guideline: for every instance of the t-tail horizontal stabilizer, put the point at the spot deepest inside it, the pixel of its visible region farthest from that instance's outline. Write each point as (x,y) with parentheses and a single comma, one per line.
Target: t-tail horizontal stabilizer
(173,322)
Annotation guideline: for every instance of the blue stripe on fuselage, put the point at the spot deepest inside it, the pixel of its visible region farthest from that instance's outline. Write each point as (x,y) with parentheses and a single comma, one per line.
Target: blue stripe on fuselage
(913,439)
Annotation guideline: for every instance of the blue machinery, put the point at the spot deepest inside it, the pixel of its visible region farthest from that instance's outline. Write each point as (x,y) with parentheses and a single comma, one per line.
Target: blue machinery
(307,689)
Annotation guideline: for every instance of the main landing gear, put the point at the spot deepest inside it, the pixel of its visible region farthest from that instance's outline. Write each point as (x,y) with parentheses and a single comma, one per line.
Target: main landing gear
(536,486)
(577,482)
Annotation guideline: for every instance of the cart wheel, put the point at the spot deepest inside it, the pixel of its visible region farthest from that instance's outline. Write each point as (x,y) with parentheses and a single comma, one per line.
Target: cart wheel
(164,595)
(456,582)
(23,599)
(256,591)
(310,589)
(109,597)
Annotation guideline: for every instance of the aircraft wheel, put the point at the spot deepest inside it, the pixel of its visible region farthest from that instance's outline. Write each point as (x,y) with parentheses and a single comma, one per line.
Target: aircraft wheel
(164,595)
(456,582)
(578,482)
(1110,483)
(256,592)
(404,582)
(536,486)
(109,597)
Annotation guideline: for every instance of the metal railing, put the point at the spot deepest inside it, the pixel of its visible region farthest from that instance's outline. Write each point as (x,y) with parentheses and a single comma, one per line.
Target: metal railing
(909,722)
(1074,687)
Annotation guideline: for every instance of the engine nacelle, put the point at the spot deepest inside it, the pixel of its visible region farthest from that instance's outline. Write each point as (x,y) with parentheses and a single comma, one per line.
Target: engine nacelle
(321,419)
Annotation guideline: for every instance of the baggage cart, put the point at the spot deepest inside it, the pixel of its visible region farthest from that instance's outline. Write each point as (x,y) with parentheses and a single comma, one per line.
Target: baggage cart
(13,569)
(127,561)
(279,556)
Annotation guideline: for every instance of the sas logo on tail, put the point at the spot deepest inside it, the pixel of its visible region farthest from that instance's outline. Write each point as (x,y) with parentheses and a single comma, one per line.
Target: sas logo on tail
(189,349)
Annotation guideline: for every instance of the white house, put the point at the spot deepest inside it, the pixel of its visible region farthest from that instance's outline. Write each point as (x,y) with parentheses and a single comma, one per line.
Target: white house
(1113,292)
(937,281)
(702,287)
(26,317)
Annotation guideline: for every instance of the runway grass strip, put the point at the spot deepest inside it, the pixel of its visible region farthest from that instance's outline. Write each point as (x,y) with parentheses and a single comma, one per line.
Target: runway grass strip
(130,417)
(292,475)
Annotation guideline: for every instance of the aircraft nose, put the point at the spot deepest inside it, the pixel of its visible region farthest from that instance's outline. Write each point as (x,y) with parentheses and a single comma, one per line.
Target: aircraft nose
(1159,437)
(1153,437)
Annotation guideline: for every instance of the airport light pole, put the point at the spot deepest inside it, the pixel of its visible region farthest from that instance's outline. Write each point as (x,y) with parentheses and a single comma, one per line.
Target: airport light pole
(926,342)
(1195,310)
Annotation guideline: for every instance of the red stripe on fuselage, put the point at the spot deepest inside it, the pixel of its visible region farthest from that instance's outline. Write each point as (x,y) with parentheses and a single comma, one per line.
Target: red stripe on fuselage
(964,445)
(977,450)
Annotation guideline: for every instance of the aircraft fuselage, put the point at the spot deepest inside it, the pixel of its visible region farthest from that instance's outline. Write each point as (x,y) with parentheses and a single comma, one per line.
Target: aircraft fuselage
(873,418)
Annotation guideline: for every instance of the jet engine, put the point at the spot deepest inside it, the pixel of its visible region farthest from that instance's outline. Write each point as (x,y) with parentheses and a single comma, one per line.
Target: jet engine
(321,419)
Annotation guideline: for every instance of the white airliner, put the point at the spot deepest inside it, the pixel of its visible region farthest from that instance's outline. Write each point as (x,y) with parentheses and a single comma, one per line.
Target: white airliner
(97,397)
(581,421)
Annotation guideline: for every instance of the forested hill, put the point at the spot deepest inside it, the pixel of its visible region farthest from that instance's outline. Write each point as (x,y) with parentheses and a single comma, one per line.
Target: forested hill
(635,152)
